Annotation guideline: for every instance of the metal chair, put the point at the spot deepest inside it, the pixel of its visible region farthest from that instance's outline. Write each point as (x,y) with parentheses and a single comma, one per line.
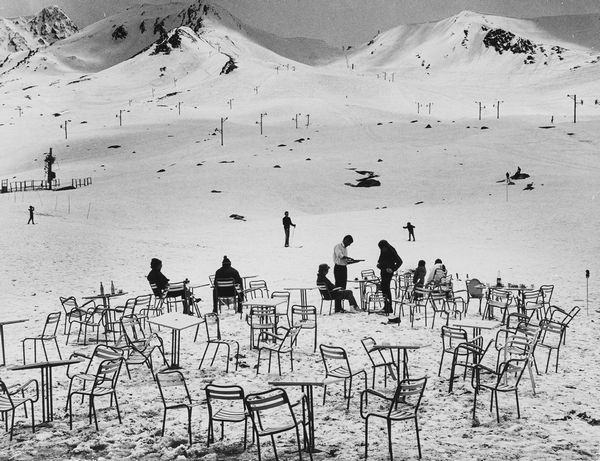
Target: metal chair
(337,365)
(272,414)
(531,302)
(282,310)
(451,338)
(379,358)
(546,292)
(175,395)
(226,292)
(261,319)
(12,397)
(326,295)
(93,319)
(258,289)
(467,354)
(505,378)
(138,346)
(213,337)
(475,290)
(497,298)
(557,314)
(305,317)
(73,310)
(551,337)
(104,384)
(282,342)
(48,334)
(403,406)
(225,404)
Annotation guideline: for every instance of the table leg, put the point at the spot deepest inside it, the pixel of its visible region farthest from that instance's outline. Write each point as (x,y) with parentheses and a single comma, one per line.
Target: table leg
(2,341)
(50,400)
(44,386)
(311,419)
(303,301)
(175,347)
(405,365)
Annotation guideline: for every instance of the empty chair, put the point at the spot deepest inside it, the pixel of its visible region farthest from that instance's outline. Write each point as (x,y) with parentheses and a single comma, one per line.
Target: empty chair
(556,314)
(213,338)
(402,406)
(505,378)
(531,302)
(467,355)
(497,299)
(175,395)
(546,292)
(440,306)
(475,290)
(12,397)
(337,365)
(48,334)
(73,310)
(272,414)
(104,384)
(261,319)
(282,342)
(283,309)
(451,338)
(258,289)
(139,347)
(379,358)
(225,404)
(305,317)
(551,338)
(93,319)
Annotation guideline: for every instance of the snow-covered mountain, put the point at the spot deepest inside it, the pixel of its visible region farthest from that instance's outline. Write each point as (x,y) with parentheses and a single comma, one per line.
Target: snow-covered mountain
(31,32)
(476,44)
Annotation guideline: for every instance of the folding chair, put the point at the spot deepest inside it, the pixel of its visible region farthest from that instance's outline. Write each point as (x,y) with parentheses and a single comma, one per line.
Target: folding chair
(282,342)
(73,310)
(451,338)
(379,358)
(10,400)
(305,317)
(475,290)
(138,346)
(48,334)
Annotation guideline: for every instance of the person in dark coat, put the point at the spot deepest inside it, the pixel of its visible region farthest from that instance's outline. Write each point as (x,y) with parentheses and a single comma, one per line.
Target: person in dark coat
(411,231)
(226,272)
(419,276)
(287,222)
(388,263)
(337,293)
(31,214)
(157,280)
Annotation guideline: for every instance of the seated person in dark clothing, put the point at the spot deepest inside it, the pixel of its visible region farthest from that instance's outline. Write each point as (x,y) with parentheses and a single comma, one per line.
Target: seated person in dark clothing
(336,293)
(419,276)
(226,272)
(157,280)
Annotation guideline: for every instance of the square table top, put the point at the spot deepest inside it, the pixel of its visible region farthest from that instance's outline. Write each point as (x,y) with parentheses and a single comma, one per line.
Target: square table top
(305,381)
(301,288)
(9,322)
(269,302)
(176,320)
(105,295)
(477,323)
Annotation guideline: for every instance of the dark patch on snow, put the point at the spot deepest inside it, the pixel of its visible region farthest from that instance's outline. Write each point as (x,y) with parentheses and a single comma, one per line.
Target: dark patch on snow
(227,161)
(114,146)
(276,166)
(162,170)
(214,191)
(428,126)
(237,217)
(418,203)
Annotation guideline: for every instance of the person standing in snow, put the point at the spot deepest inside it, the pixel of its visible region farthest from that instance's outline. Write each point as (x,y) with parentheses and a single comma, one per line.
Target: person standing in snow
(388,263)
(411,231)
(287,222)
(31,215)
(341,261)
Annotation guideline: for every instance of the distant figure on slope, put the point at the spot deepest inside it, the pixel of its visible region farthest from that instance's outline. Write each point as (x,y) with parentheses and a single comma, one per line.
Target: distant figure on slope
(31,215)
(287,222)
(388,263)
(226,272)
(158,282)
(411,231)
(552,120)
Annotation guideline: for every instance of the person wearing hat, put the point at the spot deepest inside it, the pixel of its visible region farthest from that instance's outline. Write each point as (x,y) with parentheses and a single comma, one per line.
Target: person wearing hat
(226,272)
(336,292)
(157,280)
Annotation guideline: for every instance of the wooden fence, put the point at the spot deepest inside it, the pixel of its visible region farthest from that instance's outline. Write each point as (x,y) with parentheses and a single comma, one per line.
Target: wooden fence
(35,184)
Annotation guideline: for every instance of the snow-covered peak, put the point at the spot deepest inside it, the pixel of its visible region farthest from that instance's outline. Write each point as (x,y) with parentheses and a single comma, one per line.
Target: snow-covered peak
(51,24)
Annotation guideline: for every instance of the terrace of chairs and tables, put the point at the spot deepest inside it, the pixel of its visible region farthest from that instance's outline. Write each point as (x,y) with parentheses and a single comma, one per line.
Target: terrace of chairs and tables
(271,369)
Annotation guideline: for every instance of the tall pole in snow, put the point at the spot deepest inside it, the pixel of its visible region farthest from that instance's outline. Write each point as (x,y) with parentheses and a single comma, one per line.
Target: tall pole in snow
(479,102)
(574,98)
(498,109)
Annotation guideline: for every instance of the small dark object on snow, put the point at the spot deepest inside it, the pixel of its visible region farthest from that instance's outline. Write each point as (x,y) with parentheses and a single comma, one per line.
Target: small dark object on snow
(237,217)
(379,123)
(114,146)
(529,186)
(413,121)
(300,140)
(428,126)
(379,160)
(214,191)
(276,166)
(418,203)
(227,161)
(308,159)
(484,128)
(547,127)
(162,170)
(281,145)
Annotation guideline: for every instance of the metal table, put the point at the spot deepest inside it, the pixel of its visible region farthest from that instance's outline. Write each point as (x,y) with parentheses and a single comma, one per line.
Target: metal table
(176,322)
(302,290)
(400,347)
(2,323)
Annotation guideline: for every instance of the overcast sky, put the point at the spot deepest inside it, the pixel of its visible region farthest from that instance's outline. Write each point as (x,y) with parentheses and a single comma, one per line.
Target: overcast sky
(336,21)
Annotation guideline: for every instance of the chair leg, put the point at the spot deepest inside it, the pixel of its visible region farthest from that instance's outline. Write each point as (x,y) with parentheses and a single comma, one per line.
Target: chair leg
(164,421)
(203,355)
(389,431)
(418,436)
(117,406)
(497,410)
(258,363)
(190,424)
(57,348)
(366,436)
(32,417)
(517,399)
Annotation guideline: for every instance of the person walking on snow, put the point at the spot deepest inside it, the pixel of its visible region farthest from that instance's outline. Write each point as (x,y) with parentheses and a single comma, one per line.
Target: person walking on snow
(31,215)
(287,222)
(411,231)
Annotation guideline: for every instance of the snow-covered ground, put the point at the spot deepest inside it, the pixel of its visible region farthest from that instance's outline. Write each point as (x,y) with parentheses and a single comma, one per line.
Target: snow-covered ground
(443,179)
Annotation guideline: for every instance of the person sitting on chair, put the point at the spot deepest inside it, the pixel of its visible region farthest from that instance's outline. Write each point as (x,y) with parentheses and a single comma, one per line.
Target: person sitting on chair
(226,272)
(336,293)
(438,272)
(157,280)
(419,276)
